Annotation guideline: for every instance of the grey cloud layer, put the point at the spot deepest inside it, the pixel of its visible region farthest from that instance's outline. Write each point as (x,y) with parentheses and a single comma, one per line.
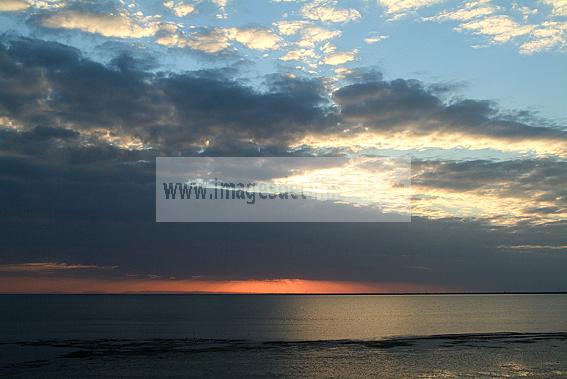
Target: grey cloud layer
(71,193)
(48,84)
(406,104)
(540,184)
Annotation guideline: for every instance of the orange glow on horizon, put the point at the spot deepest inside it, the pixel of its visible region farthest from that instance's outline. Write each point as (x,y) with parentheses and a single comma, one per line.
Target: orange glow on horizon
(275,286)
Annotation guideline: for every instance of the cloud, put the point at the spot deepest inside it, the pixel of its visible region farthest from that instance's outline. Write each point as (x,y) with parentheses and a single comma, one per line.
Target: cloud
(254,38)
(92,156)
(314,34)
(47,4)
(209,41)
(509,192)
(546,36)
(13,6)
(108,200)
(532,248)
(300,55)
(38,267)
(339,58)
(402,114)
(221,4)
(558,7)
(325,11)
(310,48)
(54,114)
(309,34)
(482,18)
(50,84)
(469,11)
(525,11)
(216,40)
(180,9)
(384,252)
(288,28)
(307,48)
(400,7)
(119,25)
(374,38)
(104,194)
(498,28)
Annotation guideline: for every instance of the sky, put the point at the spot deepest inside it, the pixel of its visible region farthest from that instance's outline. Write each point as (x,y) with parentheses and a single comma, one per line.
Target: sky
(473,92)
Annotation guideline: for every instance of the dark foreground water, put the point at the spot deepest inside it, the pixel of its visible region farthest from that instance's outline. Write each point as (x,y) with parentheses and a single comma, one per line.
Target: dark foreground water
(441,336)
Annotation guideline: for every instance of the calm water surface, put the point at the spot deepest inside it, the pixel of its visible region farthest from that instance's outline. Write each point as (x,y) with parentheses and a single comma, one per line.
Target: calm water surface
(276,317)
(283,336)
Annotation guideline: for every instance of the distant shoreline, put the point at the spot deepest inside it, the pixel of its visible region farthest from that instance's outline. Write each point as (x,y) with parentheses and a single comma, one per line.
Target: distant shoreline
(287,294)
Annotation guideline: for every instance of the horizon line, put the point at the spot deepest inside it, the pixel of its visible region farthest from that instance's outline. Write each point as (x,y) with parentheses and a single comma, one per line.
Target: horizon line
(290,293)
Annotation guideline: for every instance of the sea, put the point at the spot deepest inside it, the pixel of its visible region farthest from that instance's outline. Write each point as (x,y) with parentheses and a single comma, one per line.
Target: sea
(288,336)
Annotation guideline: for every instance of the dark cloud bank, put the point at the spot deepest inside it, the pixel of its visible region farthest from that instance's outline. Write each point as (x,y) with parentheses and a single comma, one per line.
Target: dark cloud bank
(69,196)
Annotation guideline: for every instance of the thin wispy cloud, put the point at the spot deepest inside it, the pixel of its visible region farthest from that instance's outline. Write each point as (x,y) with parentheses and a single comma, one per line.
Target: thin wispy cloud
(48,267)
